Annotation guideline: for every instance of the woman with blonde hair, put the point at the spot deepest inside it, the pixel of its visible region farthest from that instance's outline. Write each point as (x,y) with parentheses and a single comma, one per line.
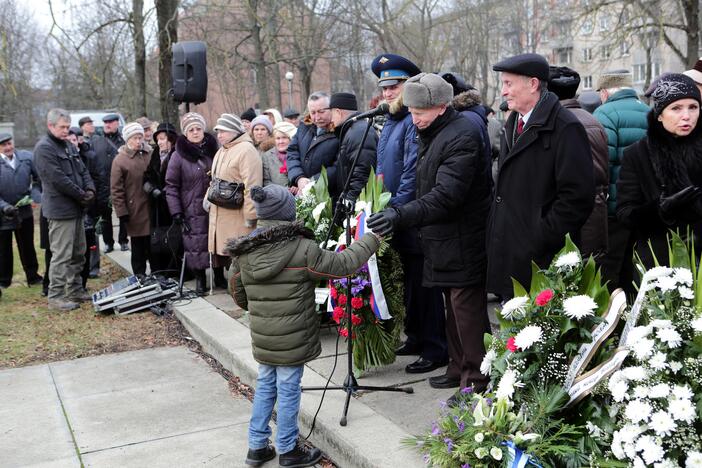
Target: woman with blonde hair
(275,168)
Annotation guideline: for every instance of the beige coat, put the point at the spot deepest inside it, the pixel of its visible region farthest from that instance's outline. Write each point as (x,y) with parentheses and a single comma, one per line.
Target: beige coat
(127,188)
(237,161)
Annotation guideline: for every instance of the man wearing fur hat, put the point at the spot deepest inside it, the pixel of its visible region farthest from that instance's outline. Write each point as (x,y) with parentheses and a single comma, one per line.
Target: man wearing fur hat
(623,117)
(450,210)
(397,164)
(545,185)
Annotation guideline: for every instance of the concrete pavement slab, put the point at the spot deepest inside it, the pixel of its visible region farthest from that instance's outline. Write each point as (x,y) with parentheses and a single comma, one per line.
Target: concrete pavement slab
(32,384)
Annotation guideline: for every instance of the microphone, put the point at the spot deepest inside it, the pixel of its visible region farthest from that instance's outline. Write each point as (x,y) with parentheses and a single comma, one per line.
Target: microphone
(381,109)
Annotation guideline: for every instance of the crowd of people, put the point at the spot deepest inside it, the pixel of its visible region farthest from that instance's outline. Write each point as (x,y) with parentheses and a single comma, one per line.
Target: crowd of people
(473,200)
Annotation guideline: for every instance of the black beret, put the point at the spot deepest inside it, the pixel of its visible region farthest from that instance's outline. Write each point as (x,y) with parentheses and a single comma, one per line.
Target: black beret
(84,120)
(110,118)
(345,101)
(392,69)
(531,65)
(457,82)
(290,113)
(165,127)
(563,82)
(249,114)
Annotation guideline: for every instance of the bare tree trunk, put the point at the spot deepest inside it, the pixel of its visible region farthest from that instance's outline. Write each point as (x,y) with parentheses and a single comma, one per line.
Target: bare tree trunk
(167,18)
(259,58)
(139,57)
(692,15)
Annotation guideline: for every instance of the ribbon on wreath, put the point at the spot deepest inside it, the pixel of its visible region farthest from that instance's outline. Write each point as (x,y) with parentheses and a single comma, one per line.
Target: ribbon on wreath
(378,303)
(518,458)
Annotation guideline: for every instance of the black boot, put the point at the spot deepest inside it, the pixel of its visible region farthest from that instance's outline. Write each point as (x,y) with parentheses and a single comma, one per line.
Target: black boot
(299,457)
(220,282)
(200,282)
(260,456)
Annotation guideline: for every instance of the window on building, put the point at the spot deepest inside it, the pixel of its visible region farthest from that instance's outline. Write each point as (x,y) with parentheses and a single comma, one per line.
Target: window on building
(587,27)
(624,48)
(604,22)
(587,82)
(564,55)
(605,52)
(587,54)
(640,71)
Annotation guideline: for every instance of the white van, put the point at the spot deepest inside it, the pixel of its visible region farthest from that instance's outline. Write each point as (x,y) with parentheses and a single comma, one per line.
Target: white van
(97,116)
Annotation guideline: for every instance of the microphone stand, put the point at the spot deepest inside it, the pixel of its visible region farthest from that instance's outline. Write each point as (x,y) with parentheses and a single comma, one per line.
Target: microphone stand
(350,385)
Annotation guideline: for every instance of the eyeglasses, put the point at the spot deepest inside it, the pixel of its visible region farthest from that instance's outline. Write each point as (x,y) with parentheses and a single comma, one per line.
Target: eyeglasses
(320,111)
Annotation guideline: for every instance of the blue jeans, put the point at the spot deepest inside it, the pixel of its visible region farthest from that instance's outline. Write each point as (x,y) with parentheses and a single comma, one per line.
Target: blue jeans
(281,383)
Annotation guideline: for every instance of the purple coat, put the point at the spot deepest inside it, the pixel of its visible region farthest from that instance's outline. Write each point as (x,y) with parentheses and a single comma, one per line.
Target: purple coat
(187,181)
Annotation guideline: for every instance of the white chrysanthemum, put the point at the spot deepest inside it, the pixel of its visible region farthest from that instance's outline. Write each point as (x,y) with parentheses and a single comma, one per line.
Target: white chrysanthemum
(635,373)
(619,390)
(578,307)
(694,460)
(660,390)
(638,462)
(662,423)
(659,323)
(641,348)
(675,366)
(641,391)
(652,451)
(657,361)
(568,260)
(667,463)
(486,365)
(637,411)
(682,276)
(629,433)
(683,392)
(657,272)
(682,410)
(686,293)
(697,324)
(528,336)
(616,446)
(666,283)
(669,336)
(638,333)
(515,308)
(508,383)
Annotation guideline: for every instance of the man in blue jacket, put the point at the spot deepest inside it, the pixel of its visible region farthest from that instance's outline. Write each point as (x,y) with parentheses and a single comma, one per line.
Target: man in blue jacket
(18,180)
(397,163)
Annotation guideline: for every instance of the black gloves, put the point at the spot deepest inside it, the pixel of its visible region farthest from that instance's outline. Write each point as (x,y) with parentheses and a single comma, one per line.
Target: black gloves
(178,218)
(668,205)
(10,211)
(385,222)
(124,219)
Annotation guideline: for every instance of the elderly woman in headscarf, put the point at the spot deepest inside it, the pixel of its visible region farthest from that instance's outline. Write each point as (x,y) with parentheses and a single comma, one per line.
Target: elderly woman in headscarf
(659,184)
(261,133)
(275,168)
(273,115)
(187,181)
(236,161)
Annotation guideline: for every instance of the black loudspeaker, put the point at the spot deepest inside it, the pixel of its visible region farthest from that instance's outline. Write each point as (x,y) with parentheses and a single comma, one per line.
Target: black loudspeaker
(190,72)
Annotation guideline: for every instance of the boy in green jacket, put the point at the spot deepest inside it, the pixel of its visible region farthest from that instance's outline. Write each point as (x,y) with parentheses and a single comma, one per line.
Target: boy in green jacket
(274,273)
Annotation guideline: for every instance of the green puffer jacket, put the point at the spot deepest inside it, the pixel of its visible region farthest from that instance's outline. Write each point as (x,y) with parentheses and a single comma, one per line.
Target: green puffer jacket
(275,271)
(623,117)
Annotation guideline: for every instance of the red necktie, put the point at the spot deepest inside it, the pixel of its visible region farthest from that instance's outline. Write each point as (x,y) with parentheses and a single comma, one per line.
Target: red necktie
(520,126)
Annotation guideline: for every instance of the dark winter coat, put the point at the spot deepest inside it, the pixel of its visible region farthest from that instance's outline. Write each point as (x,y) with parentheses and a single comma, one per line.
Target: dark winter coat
(397,156)
(545,189)
(468,104)
(453,198)
(155,178)
(274,273)
(187,181)
(64,178)
(127,189)
(350,136)
(593,236)
(646,175)
(105,148)
(308,153)
(623,117)
(15,184)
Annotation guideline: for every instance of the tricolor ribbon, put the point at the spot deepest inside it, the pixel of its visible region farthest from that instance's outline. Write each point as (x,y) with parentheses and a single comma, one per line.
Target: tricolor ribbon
(518,458)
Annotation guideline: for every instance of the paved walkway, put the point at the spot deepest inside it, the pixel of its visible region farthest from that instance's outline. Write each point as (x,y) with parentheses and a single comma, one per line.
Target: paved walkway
(161,407)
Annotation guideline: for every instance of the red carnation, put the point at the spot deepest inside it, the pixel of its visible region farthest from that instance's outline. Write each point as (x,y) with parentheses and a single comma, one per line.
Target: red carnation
(343,332)
(511,346)
(356,319)
(342,300)
(333,293)
(544,297)
(338,314)
(356,303)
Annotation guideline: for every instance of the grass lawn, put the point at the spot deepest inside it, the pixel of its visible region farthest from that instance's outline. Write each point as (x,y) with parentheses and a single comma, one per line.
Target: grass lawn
(32,334)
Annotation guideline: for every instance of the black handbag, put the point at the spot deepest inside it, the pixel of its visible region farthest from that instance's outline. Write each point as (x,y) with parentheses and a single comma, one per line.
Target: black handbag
(225,193)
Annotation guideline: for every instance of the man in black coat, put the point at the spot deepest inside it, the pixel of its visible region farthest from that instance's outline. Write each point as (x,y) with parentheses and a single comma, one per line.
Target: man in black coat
(105,148)
(451,208)
(314,145)
(350,133)
(545,186)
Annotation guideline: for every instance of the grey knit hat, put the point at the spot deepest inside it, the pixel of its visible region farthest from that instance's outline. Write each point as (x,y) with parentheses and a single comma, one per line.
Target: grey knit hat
(273,202)
(230,123)
(673,87)
(426,90)
(131,129)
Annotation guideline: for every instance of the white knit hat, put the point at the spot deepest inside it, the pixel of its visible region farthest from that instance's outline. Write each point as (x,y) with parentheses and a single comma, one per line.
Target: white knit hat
(230,123)
(285,128)
(131,129)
